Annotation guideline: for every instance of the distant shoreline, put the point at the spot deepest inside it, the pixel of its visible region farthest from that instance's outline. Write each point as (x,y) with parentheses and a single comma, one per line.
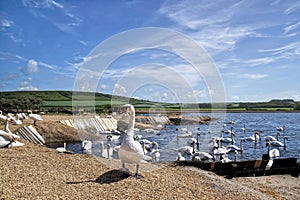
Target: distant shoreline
(140,111)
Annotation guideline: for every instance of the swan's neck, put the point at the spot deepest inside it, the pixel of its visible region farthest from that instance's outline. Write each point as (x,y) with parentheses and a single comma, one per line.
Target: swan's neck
(130,128)
(284,142)
(6,127)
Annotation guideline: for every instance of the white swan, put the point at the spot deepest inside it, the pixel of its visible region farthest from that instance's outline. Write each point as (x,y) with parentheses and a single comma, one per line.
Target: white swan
(106,151)
(6,143)
(130,151)
(273,154)
(113,138)
(233,147)
(224,158)
(180,157)
(16,120)
(187,134)
(86,145)
(228,131)
(146,145)
(213,144)
(62,149)
(227,140)
(34,117)
(191,141)
(150,131)
(155,154)
(244,129)
(187,150)
(280,128)
(278,143)
(220,151)
(8,131)
(201,156)
(253,138)
(8,140)
(3,117)
(271,138)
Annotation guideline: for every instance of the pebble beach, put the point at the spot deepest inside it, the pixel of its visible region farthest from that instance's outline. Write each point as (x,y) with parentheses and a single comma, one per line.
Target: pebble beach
(37,172)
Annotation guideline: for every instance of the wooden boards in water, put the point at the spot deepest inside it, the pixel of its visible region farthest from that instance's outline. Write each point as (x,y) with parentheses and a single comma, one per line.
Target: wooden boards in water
(248,168)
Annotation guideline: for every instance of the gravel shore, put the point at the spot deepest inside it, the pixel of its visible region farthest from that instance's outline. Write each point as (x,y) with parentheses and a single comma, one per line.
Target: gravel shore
(37,172)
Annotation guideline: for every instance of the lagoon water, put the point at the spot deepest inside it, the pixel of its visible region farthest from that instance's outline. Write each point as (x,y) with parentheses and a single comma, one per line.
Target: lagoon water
(264,122)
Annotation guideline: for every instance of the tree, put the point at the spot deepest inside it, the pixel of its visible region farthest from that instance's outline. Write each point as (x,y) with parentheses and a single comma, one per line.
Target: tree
(297,106)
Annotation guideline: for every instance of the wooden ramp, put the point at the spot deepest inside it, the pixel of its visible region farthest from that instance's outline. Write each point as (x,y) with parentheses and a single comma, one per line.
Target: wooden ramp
(94,124)
(30,134)
(154,120)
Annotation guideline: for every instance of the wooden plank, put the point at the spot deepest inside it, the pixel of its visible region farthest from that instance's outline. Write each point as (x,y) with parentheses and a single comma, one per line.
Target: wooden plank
(22,132)
(33,136)
(37,134)
(28,135)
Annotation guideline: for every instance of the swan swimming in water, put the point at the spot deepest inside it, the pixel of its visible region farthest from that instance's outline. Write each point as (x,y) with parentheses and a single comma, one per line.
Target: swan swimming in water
(233,147)
(201,156)
(253,138)
(271,138)
(130,151)
(86,146)
(278,143)
(280,128)
(62,149)
(155,154)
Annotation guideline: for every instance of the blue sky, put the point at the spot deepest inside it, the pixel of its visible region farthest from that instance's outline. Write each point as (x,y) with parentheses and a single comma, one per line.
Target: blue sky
(254,44)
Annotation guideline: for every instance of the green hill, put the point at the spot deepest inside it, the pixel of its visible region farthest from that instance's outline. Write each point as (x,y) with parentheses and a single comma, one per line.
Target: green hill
(66,101)
(62,101)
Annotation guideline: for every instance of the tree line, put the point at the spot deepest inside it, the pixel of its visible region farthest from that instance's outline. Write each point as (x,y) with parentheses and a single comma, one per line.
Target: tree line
(20,104)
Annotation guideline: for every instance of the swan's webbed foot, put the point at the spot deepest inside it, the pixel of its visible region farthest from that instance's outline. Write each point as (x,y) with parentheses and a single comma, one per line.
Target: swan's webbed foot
(138,176)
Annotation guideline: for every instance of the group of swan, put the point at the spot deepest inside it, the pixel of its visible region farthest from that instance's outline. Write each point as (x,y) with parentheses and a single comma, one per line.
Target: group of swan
(7,138)
(217,148)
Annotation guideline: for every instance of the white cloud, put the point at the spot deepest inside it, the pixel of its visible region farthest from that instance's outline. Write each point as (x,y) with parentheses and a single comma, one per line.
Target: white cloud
(291,27)
(32,66)
(253,76)
(260,61)
(235,98)
(6,23)
(286,51)
(47,65)
(293,7)
(41,4)
(210,22)
(26,85)
(104,87)
(120,90)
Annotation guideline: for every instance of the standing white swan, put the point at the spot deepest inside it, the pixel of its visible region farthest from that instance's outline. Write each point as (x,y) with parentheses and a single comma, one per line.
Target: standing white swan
(130,151)
(34,117)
